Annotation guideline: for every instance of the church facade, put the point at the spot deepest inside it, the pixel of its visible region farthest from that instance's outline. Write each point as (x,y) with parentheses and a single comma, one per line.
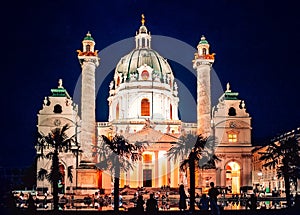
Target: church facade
(143,106)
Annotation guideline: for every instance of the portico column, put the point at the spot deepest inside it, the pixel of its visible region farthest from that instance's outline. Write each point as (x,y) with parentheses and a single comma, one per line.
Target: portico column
(156,169)
(219,177)
(127,177)
(140,174)
(168,172)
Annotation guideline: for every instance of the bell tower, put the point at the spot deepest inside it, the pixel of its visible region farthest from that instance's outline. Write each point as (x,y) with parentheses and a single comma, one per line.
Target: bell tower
(202,64)
(89,60)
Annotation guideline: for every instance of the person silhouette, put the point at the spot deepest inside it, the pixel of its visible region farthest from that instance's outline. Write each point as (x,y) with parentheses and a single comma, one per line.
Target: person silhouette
(213,196)
(182,198)
(140,204)
(151,205)
(204,203)
(252,202)
(31,204)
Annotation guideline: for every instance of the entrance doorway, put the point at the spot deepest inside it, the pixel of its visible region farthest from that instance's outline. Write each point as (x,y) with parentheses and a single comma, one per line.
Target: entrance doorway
(147,178)
(233,179)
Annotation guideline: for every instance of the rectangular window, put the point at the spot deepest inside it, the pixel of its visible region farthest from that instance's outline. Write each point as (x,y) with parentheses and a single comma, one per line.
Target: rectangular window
(232,138)
(147,158)
(145,107)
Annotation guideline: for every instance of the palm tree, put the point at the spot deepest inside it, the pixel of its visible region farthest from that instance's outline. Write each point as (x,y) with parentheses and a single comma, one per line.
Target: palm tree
(284,155)
(49,147)
(200,151)
(118,154)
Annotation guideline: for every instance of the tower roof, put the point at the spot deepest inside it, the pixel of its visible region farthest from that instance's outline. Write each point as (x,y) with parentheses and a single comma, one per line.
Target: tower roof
(203,40)
(88,37)
(60,91)
(229,95)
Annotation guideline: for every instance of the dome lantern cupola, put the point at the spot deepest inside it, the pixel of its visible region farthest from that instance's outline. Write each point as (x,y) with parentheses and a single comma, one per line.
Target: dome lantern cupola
(203,56)
(203,46)
(143,38)
(88,47)
(88,43)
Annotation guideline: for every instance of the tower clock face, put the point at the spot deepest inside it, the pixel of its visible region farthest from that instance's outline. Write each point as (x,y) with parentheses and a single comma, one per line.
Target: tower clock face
(145,75)
(232,125)
(57,122)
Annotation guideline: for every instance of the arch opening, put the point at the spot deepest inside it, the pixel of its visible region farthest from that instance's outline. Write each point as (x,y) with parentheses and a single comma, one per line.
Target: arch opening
(233,179)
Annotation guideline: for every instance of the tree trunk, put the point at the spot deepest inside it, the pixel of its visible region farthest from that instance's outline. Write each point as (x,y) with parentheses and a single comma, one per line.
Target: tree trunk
(55,166)
(287,191)
(116,186)
(192,184)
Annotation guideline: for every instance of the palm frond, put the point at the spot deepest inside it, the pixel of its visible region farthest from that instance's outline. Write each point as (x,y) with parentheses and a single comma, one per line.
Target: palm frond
(42,174)
(183,147)
(39,156)
(184,164)
(199,148)
(118,152)
(54,175)
(64,128)
(103,165)
(49,155)
(283,154)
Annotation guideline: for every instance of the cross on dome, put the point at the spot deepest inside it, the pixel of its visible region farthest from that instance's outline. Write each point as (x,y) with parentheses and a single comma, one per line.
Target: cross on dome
(143,19)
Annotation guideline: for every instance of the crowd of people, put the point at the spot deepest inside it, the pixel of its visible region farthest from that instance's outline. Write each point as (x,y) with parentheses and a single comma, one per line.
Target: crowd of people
(142,201)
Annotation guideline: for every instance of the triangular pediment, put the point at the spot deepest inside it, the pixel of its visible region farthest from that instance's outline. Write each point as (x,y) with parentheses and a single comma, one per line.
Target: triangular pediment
(233,123)
(169,138)
(146,134)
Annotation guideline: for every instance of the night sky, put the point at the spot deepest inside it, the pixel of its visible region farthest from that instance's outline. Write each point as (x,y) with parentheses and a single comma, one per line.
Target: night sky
(256,44)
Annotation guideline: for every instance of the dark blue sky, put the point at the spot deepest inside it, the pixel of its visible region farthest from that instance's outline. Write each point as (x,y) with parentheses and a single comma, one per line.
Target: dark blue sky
(256,44)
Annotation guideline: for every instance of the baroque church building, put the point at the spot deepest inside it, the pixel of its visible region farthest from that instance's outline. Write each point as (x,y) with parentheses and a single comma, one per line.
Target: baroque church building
(143,106)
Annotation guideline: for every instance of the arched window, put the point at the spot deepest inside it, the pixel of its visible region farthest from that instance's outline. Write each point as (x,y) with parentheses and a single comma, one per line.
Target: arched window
(233,176)
(57,109)
(232,111)
(88,48)
(145,107)
(118,81)
(171,116)
(204,51)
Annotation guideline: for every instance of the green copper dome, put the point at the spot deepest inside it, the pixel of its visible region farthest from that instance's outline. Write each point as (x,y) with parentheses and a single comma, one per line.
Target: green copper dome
(60,91)
(88,37)
(203,40)
(231,95)
(138,57)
